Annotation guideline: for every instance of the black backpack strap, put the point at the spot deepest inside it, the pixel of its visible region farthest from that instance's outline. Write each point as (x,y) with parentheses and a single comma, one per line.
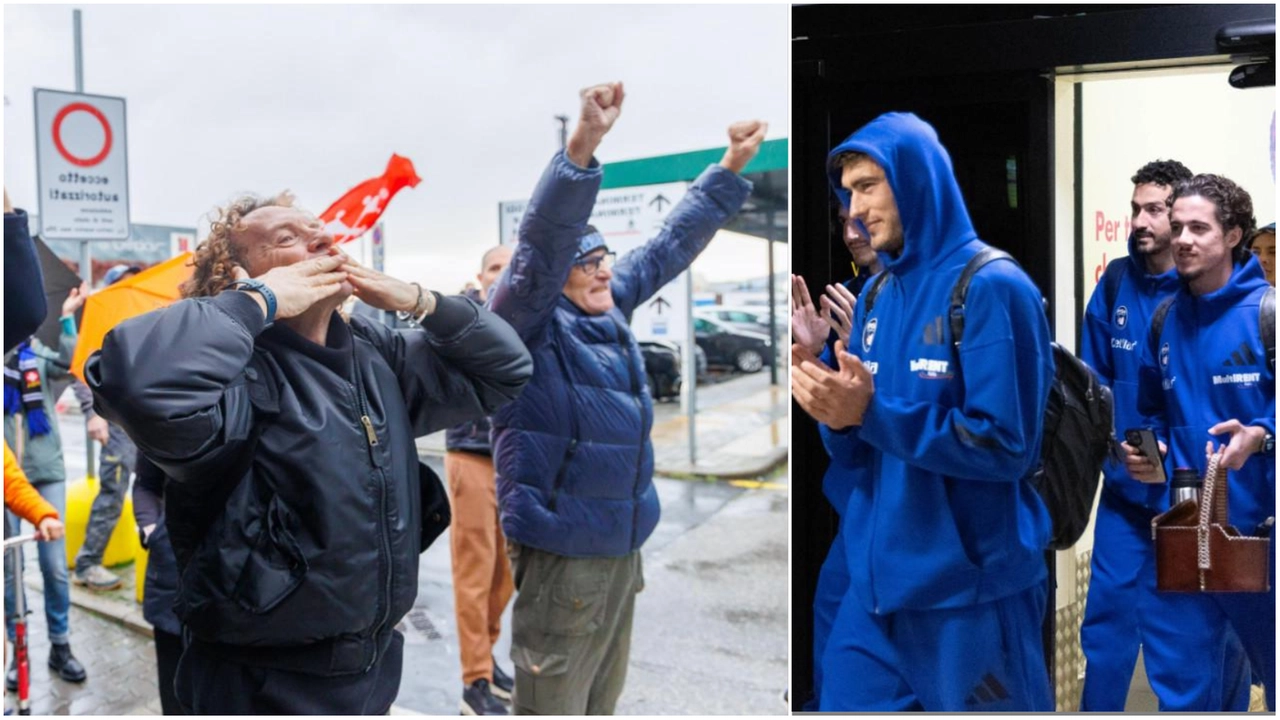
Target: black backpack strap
(955,314)
(1267,324)
(868,299)
(1111,278)
(1157,326)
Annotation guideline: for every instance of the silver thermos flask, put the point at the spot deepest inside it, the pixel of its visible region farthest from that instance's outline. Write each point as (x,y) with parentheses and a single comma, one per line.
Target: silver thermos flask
(1185,485)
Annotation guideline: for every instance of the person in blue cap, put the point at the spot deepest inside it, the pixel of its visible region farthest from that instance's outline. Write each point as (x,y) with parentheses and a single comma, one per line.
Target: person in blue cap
(933,452)
(573,458)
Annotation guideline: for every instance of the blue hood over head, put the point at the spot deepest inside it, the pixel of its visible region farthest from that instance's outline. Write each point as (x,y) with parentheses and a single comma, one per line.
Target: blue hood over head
(935,221)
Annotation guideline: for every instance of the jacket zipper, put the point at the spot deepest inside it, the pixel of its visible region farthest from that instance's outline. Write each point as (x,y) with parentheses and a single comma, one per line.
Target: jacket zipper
(372,438)
(635,395)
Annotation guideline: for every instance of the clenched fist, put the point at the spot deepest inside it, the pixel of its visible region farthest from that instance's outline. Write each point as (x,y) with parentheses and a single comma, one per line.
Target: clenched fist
(744,142)
(601,106)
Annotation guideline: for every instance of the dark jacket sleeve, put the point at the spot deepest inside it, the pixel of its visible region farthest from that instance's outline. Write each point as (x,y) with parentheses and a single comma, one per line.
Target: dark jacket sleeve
(527,293)
(173,379)
(24,301)
(710,201)
(464,363)
(148,492)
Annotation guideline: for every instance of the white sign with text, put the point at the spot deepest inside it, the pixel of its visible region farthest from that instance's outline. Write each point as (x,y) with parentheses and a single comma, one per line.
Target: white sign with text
(82,166)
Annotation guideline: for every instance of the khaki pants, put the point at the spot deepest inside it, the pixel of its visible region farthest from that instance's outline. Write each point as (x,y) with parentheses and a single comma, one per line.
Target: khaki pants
(571,630)
(481,576)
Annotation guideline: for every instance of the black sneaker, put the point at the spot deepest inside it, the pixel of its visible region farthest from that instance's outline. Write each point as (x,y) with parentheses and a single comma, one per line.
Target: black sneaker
(65,664)
(477,700)
(502,683)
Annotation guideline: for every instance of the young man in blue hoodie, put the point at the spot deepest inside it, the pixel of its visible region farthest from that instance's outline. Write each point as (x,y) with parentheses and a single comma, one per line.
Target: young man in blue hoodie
(1207,378)
(943,532)
(1124,611)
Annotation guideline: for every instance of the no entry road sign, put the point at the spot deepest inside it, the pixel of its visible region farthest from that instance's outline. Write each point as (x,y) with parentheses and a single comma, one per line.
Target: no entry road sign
(82,166)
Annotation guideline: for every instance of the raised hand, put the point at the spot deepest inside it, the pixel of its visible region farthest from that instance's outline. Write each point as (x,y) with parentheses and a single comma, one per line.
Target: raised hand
(744,142)
(601,106)
(299,286)
(75,299)
(837,310)
(807,328)
(836,398)
(382,291)
(1245,441)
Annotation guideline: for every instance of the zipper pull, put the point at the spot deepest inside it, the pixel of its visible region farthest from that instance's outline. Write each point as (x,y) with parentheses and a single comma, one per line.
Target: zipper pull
(368,430)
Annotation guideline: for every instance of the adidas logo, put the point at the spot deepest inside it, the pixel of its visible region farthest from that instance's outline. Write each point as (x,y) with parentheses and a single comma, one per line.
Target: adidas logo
(1242,356)
(989,690)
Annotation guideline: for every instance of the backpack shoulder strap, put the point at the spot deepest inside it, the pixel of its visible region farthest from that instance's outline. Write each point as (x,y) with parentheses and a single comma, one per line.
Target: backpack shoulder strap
(1111,278)
(1157,325)
(1267,324)
(960,290)
(868,299)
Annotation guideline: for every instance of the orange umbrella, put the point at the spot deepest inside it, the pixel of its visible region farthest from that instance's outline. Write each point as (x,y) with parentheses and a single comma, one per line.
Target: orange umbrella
(150,289)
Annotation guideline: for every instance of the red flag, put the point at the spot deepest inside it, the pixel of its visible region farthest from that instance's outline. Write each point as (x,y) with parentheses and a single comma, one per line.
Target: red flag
(357,211)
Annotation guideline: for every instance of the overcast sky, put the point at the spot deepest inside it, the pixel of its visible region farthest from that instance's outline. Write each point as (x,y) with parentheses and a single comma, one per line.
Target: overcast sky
(223,99)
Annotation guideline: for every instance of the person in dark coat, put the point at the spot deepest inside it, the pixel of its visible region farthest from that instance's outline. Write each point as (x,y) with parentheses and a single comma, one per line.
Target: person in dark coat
(161,585)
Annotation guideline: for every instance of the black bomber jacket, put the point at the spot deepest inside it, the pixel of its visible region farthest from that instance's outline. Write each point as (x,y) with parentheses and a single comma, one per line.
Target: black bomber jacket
(294,492)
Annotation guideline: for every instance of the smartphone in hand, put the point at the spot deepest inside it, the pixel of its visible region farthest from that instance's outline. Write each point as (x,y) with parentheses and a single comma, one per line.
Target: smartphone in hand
(1144,439)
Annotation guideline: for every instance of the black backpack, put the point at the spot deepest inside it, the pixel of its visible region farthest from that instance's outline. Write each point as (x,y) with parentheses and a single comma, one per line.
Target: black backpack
(1078,419)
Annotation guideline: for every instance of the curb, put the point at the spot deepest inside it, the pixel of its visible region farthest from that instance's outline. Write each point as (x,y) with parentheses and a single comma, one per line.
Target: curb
(761,467)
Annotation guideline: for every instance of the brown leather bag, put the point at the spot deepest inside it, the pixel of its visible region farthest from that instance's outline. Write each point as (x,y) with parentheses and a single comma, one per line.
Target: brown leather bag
(1197,551)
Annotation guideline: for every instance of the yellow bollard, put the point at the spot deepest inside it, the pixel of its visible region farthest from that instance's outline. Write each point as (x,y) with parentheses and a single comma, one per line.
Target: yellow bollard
(123,546)
(140,571)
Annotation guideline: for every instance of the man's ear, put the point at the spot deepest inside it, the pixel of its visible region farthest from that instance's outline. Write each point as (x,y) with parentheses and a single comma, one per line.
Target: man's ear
(1234,236)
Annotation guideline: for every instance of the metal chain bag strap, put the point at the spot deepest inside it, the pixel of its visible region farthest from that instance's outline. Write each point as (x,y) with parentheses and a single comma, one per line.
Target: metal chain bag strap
(1197,551)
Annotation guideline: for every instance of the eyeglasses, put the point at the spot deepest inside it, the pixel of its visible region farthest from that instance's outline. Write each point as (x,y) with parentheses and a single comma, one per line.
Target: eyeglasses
(592,264)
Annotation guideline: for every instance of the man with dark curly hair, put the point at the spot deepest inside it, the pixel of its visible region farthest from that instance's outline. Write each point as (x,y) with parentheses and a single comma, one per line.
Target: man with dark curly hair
(1207,375)
(295,502)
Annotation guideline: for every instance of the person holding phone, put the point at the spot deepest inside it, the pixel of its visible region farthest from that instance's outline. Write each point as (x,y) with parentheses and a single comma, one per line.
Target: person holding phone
(1207,383)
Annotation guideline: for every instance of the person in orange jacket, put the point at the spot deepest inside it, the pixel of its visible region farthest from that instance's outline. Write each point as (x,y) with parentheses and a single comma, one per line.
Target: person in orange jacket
(24,501)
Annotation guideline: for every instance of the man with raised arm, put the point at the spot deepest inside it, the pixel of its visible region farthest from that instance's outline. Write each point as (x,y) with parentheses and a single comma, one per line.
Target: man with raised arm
(573,456)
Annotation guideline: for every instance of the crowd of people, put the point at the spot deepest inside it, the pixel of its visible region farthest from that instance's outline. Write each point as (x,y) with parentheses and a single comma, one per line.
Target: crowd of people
(933,593)
(279,490)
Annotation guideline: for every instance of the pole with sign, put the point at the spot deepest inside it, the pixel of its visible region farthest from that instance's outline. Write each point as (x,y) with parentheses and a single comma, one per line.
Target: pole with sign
(81,167)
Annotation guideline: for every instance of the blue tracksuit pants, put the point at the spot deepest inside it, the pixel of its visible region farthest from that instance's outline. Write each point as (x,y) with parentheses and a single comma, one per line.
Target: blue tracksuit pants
(982,658)
(1193,661)
(833,585)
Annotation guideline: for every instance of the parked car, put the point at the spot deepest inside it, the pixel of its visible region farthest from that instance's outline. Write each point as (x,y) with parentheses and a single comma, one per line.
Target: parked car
(662,368)
(726,345)
(749,318)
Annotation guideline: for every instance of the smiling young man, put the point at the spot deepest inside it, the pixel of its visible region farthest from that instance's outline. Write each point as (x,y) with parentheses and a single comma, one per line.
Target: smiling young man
(294,499)
(574,460)
(942,534)
(1206,377)
(1124,612)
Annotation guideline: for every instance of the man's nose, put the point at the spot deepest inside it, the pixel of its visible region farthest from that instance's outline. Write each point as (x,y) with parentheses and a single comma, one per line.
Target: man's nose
(320,242)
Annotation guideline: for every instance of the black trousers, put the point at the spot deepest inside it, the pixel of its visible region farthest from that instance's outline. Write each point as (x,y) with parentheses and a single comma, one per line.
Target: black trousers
(168,651)
(209,684)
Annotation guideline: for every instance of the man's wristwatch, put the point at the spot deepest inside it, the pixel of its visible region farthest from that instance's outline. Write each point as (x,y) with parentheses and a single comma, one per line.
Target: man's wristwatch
(261,288)
(1268,445)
